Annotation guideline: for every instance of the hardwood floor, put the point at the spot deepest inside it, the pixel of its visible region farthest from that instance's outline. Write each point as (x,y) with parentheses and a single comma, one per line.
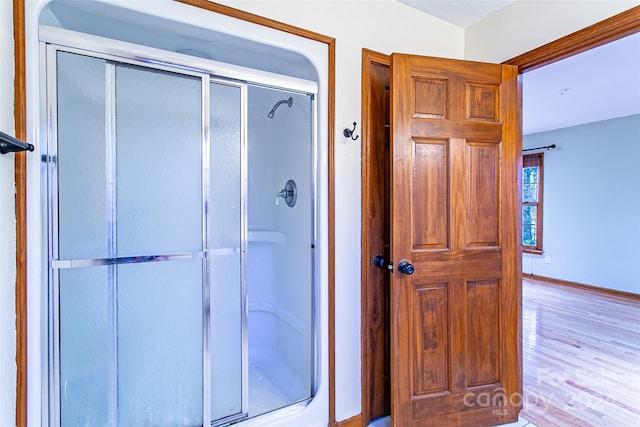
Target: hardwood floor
(581,357)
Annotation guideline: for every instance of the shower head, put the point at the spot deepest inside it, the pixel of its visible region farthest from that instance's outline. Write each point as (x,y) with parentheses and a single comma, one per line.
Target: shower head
(289,102)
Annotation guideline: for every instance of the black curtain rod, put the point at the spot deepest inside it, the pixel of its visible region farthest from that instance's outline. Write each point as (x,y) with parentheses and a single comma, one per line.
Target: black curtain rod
(548,147)
(9,144)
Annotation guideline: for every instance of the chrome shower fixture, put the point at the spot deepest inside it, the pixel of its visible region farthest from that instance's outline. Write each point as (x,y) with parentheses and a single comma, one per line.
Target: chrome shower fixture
(289,102)
(289,194)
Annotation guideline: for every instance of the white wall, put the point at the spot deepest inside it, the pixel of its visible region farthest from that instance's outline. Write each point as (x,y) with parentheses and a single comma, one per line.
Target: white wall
(7,226)
(385,26)
(591,204)
(527,24)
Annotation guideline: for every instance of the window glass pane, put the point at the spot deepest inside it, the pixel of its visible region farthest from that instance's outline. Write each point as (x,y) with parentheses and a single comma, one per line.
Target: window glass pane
(530,193)
(530,175)
(529,221)
(529,214)
(529,235)
(530,184)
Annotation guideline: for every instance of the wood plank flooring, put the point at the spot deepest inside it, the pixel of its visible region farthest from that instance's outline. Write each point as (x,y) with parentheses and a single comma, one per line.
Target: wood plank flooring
(581,357)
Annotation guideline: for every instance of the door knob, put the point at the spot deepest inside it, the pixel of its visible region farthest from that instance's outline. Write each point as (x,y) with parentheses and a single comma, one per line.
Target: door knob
(405,267)
(380,261)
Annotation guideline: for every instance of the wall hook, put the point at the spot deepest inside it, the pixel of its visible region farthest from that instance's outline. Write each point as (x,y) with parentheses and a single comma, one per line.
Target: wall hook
(349,132)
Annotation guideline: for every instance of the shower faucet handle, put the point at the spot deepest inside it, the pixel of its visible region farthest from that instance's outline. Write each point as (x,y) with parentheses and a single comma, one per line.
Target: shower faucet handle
(289,194)
(282,193)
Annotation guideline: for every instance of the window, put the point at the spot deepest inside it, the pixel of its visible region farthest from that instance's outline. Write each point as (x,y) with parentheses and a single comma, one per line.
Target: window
(532,203)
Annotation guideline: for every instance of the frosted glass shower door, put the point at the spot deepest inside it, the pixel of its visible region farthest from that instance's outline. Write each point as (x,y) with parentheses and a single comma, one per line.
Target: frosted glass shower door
(127,256)
(158,170)
(227,251)
(151,261)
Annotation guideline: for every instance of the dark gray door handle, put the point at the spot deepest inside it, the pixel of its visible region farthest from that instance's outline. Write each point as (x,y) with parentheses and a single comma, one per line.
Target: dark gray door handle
(405,267)
(380,261)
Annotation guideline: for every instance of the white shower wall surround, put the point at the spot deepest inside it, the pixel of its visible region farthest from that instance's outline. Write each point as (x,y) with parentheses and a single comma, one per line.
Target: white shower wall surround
(151,285)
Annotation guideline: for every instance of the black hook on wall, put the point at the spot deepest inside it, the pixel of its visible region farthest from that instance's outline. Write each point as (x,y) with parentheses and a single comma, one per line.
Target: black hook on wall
(9,144)
(349,132)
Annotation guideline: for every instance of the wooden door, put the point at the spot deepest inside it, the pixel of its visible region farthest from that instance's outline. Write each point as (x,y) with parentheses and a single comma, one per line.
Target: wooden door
(455,322)
(376,345)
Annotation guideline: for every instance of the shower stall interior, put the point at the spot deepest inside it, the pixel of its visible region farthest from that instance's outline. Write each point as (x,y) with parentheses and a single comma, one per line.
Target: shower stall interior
(182,236)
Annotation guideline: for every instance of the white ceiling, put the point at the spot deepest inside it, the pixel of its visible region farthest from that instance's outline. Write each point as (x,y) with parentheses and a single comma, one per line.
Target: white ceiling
(600,84)
(462,13)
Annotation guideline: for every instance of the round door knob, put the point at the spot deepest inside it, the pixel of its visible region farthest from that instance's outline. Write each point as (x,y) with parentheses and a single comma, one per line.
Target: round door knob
(379,261)
(405,267)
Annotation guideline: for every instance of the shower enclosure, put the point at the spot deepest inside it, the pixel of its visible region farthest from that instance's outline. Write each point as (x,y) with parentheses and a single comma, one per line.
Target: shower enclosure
(181,227)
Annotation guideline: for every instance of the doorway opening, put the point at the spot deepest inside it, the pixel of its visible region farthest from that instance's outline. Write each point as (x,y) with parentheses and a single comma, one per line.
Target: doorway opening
(450,261)
(376,394)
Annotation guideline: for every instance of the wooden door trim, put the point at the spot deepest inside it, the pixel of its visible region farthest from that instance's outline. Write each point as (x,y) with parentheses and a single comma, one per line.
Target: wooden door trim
(608,30)
(603,32)
(257,19)
(355,421)
(369,58)
(20,173)
(20,117)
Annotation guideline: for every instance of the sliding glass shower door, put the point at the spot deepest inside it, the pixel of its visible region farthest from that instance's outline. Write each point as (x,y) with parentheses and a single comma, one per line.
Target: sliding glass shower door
(158,223)
(136,219)
(147,185)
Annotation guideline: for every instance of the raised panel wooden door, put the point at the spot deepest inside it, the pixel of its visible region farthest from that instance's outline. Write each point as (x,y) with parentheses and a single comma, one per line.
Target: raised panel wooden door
(455,322)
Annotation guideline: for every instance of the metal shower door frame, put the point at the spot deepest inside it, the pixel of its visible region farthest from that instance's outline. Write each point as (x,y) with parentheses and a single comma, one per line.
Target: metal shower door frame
(54,40)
